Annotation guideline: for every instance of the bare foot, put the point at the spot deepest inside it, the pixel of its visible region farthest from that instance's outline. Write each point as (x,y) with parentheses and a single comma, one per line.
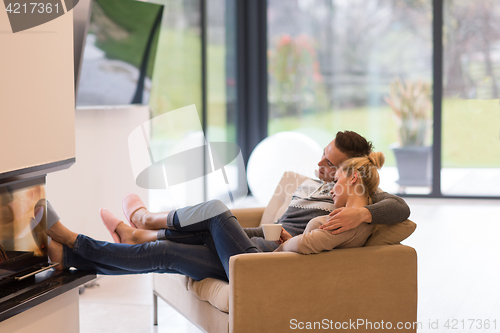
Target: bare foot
(125,232)
(139,218)
(62,235)
(144,219)
(129,235)
(55,252)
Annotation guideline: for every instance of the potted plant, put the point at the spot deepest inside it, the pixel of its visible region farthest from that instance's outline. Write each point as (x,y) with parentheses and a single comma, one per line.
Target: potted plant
(412,106)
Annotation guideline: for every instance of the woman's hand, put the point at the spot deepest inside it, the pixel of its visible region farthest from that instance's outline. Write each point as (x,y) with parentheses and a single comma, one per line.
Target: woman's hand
(284,236)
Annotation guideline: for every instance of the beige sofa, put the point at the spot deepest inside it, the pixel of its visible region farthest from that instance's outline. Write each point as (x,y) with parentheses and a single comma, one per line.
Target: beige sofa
(281,292)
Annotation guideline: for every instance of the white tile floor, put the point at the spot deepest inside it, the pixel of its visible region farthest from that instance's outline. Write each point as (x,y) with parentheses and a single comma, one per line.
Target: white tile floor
(454,181)
(125,304)
(458,255)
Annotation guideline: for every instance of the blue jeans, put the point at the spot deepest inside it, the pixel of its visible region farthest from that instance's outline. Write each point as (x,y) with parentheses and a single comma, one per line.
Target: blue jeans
(227,236)
(199,250)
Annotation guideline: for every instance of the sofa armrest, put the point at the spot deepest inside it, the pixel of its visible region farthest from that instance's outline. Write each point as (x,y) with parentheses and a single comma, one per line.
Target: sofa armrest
(249,217)
(268,291)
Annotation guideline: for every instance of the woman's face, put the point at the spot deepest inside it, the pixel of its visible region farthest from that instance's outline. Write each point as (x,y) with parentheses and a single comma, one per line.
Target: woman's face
(340,191)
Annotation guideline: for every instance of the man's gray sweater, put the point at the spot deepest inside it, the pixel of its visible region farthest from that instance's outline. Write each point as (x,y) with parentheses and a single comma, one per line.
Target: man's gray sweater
(312,198)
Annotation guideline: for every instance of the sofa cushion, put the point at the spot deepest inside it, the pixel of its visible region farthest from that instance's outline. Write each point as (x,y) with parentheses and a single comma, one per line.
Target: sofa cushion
(390,234)
(282,197)
(214,291)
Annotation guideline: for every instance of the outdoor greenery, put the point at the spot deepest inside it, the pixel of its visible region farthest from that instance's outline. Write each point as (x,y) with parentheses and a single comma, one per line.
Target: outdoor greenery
(350,56)
(295,82)
(177,83)
(470,130)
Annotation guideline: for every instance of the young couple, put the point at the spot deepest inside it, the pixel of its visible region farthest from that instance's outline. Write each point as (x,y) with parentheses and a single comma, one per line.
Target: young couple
(198,241)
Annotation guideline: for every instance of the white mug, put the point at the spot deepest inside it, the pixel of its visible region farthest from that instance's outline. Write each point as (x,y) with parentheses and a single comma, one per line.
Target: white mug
(272,232)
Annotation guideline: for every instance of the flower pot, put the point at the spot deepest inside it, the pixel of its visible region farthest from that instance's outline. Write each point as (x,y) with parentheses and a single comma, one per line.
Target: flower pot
(414,165)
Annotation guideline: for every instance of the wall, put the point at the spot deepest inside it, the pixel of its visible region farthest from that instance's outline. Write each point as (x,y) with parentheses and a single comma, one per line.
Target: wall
(36,93)
(102,174)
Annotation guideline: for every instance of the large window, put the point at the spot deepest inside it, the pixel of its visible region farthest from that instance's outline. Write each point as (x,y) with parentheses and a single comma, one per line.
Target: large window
(331,64)
(471,92)
(196,46)
(336,65)
(176,84)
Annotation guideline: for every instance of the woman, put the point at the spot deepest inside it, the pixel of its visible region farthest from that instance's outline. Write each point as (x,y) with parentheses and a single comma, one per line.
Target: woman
(217,238)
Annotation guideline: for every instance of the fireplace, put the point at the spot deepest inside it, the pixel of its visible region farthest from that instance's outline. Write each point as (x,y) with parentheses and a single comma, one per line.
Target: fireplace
(23,236)
(27,278)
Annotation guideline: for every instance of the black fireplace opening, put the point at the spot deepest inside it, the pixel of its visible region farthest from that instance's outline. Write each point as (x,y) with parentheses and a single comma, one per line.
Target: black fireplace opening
(23,230)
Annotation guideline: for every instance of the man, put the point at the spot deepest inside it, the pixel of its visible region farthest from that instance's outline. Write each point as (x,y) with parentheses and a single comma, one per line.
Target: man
(310,200)
(313,198)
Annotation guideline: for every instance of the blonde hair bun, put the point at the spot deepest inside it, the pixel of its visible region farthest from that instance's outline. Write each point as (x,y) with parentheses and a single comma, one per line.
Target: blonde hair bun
(377,159)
